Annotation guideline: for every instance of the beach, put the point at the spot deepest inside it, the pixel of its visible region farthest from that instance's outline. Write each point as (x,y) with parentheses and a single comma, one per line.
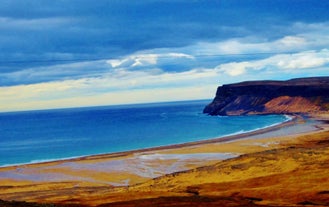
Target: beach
(48,135)
(51,180)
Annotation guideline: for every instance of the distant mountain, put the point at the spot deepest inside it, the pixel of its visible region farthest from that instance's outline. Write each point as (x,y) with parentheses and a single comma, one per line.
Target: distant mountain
(302,95)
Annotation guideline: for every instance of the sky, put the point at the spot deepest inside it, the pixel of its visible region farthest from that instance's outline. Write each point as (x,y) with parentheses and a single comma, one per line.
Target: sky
(74,53)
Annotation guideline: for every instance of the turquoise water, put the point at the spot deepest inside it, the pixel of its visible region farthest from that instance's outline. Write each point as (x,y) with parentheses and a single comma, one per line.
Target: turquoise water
(36,136)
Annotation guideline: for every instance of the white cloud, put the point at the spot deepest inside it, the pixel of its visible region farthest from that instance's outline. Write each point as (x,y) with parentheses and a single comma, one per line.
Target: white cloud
(147,59)
(144,59)
(120,86)
(234,68)
(22,101)
(247,46)
(302,60)
(297,61)
(303,37)
(115,62)
(291,42)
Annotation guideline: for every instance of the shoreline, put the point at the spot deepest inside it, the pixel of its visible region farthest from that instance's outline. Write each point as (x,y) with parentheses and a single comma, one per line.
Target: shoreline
(226,138)
(294,119)
(113,174)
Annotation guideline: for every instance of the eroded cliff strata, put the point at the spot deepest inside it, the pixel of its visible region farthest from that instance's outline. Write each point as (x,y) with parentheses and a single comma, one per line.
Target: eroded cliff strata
(303,95)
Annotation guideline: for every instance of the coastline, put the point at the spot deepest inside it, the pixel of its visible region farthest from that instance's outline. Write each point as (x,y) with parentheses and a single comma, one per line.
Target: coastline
(113,137)
(266,132)
(226,138)
(131,168)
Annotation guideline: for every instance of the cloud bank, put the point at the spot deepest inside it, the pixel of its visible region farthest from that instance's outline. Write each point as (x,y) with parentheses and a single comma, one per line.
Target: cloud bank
(78,53)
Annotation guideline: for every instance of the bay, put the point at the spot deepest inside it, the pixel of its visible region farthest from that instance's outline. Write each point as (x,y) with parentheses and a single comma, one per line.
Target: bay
(36,136)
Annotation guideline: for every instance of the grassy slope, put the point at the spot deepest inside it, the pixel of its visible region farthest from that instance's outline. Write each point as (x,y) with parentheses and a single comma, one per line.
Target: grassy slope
(289,176)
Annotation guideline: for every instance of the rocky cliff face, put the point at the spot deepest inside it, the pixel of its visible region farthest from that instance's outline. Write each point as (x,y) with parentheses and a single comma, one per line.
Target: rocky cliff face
(303,95)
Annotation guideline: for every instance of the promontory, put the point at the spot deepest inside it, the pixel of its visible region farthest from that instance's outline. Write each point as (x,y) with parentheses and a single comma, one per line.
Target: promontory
(302,95)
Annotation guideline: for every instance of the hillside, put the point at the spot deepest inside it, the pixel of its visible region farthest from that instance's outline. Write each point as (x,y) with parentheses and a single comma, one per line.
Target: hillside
(295,174)
(303,95)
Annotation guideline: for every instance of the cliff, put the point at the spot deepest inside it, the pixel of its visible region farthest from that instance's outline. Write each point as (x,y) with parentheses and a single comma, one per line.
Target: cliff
(302,95)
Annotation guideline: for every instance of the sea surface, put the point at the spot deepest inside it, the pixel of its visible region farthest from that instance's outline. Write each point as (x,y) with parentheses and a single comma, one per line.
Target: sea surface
(37,136)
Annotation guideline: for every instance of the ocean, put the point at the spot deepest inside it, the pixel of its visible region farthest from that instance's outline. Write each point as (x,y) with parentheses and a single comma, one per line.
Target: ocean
(37,136)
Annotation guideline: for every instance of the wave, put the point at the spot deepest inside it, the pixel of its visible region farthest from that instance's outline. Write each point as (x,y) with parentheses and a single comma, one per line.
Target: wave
(288,118)
(39,161)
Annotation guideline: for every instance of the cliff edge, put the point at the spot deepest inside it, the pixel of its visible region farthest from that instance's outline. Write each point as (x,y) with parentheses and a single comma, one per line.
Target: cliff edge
(302,95)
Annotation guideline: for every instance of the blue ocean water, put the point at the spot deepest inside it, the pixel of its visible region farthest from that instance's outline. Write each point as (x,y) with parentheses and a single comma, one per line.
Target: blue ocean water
(36,136)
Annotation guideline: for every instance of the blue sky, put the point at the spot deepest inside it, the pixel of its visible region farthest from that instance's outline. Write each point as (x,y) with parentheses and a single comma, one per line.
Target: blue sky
(69,53)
